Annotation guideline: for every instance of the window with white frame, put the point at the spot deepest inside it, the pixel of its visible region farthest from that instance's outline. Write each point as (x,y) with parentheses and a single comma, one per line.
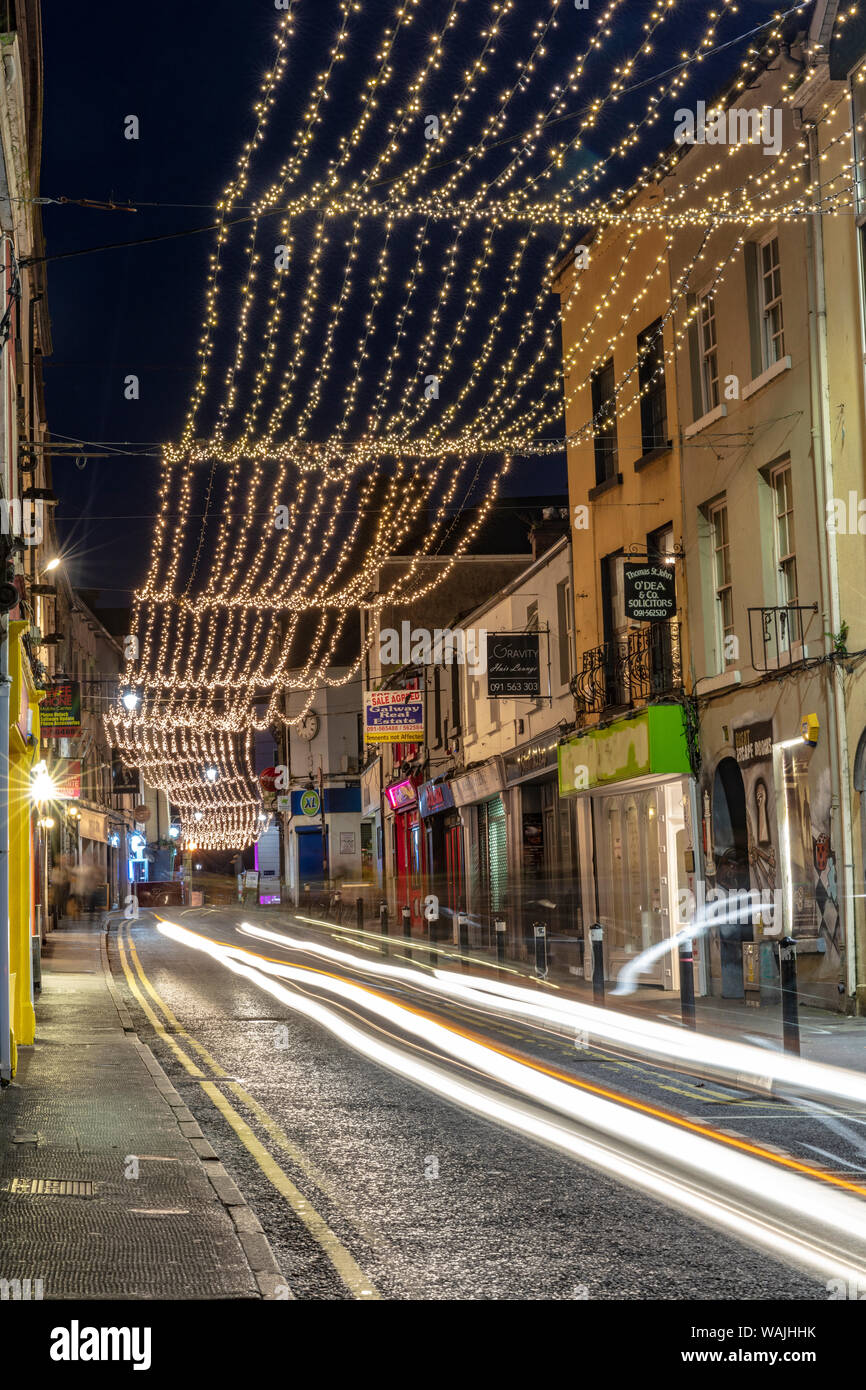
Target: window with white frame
(723,601)
(786,548)
(709,351)
(565,618)
(772,320)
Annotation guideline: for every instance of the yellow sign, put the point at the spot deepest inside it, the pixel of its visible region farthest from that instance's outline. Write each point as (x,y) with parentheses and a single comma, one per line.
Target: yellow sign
(809,728)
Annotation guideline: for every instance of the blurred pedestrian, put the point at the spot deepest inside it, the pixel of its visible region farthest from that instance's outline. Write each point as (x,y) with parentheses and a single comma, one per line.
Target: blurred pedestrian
(60,884)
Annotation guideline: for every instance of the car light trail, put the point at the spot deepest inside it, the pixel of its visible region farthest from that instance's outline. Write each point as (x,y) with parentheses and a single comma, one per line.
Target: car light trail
(739,1064)
(725,1187)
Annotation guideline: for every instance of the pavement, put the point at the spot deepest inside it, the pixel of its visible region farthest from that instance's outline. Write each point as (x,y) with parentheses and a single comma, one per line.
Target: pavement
(108,1188)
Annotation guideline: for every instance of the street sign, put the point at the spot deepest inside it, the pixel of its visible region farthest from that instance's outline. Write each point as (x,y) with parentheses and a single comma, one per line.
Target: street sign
(311,802)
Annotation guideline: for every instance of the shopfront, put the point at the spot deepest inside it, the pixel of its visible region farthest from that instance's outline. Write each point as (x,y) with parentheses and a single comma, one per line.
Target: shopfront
(407,849)
(546,880)
(371,825)
(443,839)
(478,795)
(637,818)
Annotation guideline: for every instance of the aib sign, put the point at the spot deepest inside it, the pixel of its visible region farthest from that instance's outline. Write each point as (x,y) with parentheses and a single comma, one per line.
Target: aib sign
(650,591)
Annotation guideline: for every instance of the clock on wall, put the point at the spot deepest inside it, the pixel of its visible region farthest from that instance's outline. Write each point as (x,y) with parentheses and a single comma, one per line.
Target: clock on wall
(309,726)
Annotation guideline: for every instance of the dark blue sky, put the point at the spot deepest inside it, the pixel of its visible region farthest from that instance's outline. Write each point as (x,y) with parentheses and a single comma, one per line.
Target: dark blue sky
(190,72)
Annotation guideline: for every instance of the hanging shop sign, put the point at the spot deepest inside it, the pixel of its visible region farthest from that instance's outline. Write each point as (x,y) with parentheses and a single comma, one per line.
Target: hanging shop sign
(67,778)
(394,716)
(654,742)
(60,711)
(513,666)
(401,794)
(650,591)
(92,825)
(433,797)
(753,743)
(311,802)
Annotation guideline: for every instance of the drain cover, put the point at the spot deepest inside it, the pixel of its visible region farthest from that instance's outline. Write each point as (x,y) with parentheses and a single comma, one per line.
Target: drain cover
(50,1187)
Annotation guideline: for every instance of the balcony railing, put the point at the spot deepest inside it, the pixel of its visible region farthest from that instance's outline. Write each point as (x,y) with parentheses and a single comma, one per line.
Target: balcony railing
(639,665)
(776,635)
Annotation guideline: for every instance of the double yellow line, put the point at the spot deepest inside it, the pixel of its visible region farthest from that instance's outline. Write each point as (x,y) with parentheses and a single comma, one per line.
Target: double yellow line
(169,1029)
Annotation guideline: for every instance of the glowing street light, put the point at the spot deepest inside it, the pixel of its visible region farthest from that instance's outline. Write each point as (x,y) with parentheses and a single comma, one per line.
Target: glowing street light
(211,774)
(130,699)
(53,564)
(42,785)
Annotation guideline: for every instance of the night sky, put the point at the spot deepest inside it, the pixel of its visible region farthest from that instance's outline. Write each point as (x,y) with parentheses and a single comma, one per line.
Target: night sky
(190,73)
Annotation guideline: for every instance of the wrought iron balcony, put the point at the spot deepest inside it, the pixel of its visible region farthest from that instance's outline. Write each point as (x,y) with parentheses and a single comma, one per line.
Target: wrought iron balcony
(776,635)
(637,666)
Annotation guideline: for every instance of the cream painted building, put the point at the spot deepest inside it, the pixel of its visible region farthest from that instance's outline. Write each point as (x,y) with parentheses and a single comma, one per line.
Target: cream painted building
(628,769)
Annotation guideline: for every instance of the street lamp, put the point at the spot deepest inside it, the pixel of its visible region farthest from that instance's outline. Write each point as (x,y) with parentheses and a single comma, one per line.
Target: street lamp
(42,785)
(211,774)
(199,815)
(130,699)
(52,564)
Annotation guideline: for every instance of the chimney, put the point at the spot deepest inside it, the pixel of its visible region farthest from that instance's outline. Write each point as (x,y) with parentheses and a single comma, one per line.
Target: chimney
(551,528)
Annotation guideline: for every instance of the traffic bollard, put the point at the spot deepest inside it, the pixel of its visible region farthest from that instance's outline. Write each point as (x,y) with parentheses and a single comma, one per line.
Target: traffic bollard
(687,982)
(788,980)
(462,936)
(407,921)
(359,913)
(499,927)
(539,931)
(383,921)
(596,936)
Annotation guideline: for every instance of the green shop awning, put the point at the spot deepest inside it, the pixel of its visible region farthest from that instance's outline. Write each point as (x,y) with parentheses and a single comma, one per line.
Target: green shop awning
(652,743)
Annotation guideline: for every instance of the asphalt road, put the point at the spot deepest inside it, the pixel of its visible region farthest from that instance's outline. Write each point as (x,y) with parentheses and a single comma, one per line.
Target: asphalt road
(384,1159)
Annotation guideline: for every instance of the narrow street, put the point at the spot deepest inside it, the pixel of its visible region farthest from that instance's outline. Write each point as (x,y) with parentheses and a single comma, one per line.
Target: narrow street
(315,1132)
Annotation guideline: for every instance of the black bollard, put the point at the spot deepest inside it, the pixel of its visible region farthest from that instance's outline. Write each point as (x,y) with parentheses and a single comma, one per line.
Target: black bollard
(359,913)
(788,980)
(539,931)
(407,920)
(383,921)
(463,936)
(687,982)
(596,936)
(499,927)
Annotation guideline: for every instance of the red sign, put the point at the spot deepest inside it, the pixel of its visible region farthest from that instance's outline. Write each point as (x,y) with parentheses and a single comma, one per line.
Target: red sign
(60,711)
(68,782)
(268,779)
(401,794)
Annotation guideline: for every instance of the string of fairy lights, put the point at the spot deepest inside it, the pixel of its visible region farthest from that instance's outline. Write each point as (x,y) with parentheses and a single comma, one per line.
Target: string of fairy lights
(378,345)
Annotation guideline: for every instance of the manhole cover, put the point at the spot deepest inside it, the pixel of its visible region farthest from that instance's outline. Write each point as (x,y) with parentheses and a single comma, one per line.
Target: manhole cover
(50,1187)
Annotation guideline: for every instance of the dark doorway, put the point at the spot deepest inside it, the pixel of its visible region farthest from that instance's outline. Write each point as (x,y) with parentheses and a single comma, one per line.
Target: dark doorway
(731,853)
